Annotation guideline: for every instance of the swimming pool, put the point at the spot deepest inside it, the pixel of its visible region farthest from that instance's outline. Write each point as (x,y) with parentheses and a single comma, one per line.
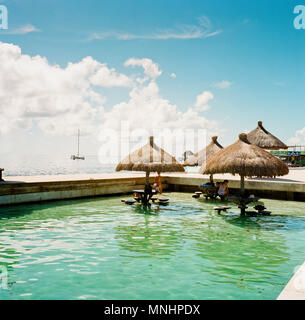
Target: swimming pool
(100,248)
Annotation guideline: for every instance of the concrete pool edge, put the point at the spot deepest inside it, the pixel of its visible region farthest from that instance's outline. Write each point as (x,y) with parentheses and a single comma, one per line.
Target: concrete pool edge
(22,190)
(18,190)
(295,289)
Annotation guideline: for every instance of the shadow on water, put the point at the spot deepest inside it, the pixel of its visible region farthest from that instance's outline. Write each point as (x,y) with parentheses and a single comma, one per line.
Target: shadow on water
(20,210)
(146,210)
(268,223)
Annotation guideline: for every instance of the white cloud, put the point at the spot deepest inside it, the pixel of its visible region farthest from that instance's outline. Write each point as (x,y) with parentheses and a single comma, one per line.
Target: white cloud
(203,29)
(150,114)
(146,100)
(202,101)
(106,77)
(173,75)
(23,30)
(223,84)
(299,138)
(151,69)
(58,99)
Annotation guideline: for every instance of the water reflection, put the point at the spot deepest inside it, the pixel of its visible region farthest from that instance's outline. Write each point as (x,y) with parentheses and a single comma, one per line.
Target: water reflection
(196,252)
(148,237)
(271,223)
(242,250)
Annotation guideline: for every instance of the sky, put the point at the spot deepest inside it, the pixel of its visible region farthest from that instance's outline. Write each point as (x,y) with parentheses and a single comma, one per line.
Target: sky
(213,65)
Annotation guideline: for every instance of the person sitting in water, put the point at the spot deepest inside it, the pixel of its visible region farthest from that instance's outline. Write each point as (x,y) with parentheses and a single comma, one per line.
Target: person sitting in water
(223,190)
(156,188)
(136,196)
(210,183)
(158,184)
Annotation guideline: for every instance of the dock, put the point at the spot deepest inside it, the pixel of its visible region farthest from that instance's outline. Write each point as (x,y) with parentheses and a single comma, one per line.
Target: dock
(17,190)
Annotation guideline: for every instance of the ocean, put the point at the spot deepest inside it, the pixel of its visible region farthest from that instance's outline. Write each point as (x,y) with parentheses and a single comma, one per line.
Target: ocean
(37,165)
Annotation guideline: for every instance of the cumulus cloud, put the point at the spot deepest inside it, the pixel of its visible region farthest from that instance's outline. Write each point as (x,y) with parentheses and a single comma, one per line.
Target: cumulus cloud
(148,113)
(106,77)
(299,138)
(202,101)
(58,99)
(151,69)
(61,99)
(173,75)
(145,100)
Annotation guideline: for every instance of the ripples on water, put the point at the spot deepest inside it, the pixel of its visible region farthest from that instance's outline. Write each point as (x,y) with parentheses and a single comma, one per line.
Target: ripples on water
(102,249)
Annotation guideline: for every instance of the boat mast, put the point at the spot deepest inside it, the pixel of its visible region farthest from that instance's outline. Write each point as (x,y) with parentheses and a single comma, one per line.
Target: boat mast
(78,144)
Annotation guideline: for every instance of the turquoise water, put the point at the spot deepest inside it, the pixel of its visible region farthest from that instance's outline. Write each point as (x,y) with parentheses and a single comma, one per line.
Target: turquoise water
(103,249)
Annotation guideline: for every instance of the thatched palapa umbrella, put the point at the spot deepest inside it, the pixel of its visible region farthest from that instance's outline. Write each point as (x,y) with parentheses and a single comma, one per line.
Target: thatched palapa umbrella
(247,160)
(264,139)
(199,158)
(150,158)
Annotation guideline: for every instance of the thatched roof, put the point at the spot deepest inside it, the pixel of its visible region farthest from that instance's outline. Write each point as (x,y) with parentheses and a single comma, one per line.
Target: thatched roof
(245,159)
(150,158)
(200,157)
(264,139)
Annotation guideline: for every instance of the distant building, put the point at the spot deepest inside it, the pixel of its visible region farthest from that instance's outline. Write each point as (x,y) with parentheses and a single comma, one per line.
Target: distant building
(294,156)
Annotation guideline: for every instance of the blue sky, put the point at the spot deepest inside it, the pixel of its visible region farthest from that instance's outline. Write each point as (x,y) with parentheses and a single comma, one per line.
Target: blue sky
(252,45)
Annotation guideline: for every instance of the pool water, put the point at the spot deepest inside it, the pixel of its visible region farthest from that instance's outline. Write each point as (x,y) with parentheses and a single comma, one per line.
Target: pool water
(101,248)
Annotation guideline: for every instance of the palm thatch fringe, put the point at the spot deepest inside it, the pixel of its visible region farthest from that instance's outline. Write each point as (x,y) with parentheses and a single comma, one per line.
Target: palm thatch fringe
(199,158)
(264,139)
(150,158)
(245,159)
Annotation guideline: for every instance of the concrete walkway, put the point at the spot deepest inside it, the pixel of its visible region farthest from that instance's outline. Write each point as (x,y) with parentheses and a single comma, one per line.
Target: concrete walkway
(294,176)
(71,177)
(295,289)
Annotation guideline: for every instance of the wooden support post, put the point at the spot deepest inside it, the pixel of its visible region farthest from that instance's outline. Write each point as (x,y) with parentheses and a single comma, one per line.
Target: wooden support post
(242,184)
(211,178)
(243,207)
(243,210)
(147,191)
(147,179)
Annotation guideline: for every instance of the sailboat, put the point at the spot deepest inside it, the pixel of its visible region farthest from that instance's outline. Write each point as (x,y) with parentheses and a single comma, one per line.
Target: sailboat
(77,157)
